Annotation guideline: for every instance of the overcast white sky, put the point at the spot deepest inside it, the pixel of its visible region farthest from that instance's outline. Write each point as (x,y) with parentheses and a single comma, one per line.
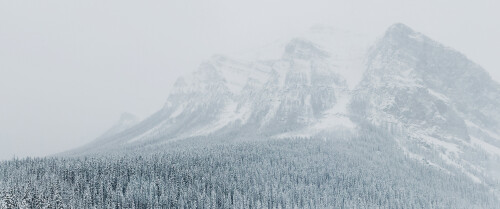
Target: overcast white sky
(68,69)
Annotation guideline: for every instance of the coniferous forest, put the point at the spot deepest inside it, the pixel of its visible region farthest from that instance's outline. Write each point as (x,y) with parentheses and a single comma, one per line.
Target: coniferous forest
(281,173)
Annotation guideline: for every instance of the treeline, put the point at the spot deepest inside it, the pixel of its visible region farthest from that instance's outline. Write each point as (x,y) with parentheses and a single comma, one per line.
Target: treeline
(366,172)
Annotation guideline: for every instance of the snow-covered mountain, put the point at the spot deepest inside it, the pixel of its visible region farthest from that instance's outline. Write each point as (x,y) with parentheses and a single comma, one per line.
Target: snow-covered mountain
(440,107)
(301,91)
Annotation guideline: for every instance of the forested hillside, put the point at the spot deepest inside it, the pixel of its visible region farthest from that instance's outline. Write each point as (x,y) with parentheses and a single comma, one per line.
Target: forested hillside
(353,172)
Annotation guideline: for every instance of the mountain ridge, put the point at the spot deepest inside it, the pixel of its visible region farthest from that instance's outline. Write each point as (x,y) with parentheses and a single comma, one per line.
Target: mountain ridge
(440,107)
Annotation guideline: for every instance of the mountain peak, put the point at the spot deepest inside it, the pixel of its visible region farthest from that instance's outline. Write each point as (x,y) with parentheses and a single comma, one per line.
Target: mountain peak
(400,28)
(402,33)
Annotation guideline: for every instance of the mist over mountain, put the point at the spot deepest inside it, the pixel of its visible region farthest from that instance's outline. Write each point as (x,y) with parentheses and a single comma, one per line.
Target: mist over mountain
(401,101)
(439,107)
(126,121)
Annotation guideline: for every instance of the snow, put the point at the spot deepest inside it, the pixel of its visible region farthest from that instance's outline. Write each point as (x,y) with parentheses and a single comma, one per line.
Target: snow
(475,141)
(449,147)
(422,159)
(422,133)
(304,67)
(490,133)
(347,60)
(177,111)
(333,120)
(281,68)
(491,149)
(237,73)
(149,133)
(417,36)
(230,114)
(453,163)
(275,104)
(347,50)
(438,95)
(335,117)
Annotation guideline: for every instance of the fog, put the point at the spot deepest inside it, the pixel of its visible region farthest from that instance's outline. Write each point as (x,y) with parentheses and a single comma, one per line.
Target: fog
(68,69)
